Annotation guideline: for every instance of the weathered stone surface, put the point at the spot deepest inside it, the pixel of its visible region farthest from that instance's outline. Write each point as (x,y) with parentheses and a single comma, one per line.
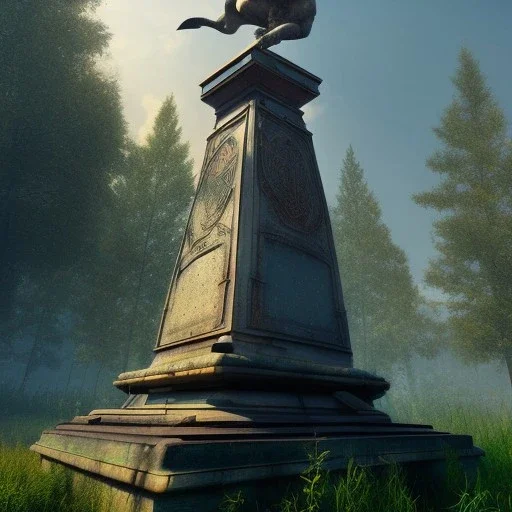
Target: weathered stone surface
(255,371)
(253,365)
(256,295)
(189,440)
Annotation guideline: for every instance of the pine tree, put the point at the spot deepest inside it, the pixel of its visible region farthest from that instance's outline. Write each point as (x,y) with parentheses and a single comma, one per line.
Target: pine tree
(474,237)
(167,171)
(383,304)
(140,243)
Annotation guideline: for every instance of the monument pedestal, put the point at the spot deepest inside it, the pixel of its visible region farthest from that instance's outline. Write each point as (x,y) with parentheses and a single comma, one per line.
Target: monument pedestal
(253,366)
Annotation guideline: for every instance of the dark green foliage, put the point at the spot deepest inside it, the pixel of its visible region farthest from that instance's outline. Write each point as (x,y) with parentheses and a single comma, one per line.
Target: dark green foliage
(387,317)
(232,502)
(167,176)
(360,490)
(474,236)
(139,243)
(90,222)
(61,131)
(315,483)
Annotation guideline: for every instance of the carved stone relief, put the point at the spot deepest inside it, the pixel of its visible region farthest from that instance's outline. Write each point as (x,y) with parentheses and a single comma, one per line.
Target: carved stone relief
(197,301)
(294,290)
(214,192)
(287,179)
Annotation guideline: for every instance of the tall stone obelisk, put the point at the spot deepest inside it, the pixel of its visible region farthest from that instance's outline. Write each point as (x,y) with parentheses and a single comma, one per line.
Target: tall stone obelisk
(253,365)
(256,296)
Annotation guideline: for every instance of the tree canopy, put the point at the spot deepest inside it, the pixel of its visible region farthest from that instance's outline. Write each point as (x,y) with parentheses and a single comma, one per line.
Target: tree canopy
(387,324)
(61,131)
(140,240)
(474,233)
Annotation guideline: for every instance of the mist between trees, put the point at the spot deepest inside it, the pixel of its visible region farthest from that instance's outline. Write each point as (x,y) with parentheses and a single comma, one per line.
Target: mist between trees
(91,223)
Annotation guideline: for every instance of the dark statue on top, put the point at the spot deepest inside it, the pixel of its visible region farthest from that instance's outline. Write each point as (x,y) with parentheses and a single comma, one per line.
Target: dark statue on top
(278,20)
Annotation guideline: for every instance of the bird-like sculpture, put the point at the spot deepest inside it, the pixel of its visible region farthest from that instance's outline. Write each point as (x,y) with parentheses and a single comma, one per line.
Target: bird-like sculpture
(278,20)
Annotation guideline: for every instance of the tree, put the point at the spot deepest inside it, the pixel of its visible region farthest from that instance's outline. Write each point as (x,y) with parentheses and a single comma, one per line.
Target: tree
(474,236)
(385,318)
(61,131)
(168,168)
(140,242)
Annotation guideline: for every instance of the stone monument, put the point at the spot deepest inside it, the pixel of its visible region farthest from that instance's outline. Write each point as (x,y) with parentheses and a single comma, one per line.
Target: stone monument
(278,20)
(253,366)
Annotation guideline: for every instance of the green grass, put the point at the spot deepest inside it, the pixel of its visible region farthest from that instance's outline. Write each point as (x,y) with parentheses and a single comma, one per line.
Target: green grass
(362,490)
(491,430)
(24,486)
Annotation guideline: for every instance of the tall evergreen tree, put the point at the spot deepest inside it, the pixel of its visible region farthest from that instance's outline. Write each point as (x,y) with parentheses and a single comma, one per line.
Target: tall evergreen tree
(140,243)
(61,131)
(383,305)
(474,237)
(167,175)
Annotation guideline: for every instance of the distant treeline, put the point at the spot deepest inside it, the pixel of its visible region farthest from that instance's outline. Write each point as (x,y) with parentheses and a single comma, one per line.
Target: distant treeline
(389,320)
(91,221)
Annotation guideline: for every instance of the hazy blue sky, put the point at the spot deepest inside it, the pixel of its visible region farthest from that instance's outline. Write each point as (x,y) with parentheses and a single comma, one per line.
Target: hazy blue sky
(386,66)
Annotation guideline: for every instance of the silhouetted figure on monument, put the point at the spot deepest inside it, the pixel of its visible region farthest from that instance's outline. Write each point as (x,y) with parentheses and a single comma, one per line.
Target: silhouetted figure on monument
(279,20)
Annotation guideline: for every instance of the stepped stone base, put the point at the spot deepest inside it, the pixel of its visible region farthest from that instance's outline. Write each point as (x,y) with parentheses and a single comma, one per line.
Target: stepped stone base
(241,365)
(168,450)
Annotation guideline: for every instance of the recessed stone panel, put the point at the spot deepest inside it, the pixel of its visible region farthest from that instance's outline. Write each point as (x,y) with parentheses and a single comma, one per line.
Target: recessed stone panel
(296,295)
(197,301)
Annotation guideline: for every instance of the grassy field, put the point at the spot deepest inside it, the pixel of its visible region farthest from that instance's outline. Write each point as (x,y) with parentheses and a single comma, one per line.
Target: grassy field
(25,487)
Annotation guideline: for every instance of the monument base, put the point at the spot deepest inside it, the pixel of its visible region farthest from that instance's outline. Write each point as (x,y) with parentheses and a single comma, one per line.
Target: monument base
(122,498)
(257,495)
(179,447)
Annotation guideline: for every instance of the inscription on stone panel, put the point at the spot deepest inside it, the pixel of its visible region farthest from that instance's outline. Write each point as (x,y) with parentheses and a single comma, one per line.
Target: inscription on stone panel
(295,290)
(213,194)
(287,177)
(197,301)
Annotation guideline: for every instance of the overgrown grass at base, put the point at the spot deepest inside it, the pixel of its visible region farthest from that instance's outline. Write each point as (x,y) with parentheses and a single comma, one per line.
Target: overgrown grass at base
(491,430)
(362,490)
(24,486)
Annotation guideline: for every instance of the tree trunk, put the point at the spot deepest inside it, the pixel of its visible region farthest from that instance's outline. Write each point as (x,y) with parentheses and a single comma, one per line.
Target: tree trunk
(8,274)
(71,368)
(8,213)
(411,384)
(411,380)
(365,335)
(83,384)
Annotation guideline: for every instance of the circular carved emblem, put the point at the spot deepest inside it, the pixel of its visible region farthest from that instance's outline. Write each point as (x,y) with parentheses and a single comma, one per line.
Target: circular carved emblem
(286,179)
(214,190)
